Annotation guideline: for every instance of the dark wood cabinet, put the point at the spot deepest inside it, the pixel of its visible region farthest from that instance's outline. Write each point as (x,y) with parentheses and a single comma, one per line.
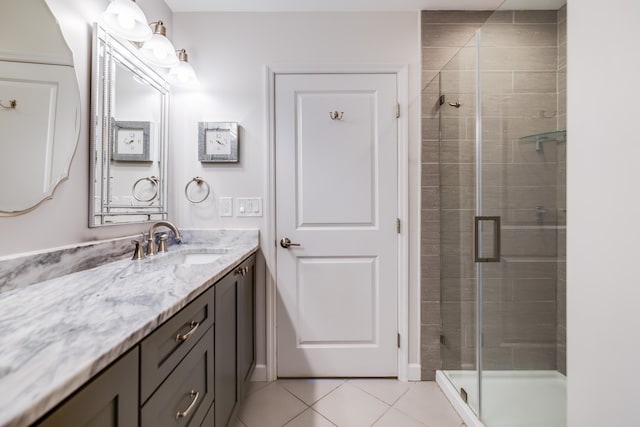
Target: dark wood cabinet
(225,350)
(191,371)
(109,400)
(246,323)
(185,397)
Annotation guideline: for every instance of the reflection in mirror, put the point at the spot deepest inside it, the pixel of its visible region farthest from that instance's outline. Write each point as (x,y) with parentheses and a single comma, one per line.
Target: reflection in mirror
(39,106)
(130,136)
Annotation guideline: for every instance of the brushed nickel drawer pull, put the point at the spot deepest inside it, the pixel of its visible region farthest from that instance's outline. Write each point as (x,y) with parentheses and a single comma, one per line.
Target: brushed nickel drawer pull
(194,395)
(183,338)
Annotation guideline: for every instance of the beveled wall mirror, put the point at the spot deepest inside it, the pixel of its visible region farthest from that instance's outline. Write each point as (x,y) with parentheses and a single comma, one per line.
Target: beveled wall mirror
(129,136)
(39,106)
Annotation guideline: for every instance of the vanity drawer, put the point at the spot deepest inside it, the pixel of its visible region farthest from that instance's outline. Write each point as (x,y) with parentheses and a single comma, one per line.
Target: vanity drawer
(187,394)
(161,351)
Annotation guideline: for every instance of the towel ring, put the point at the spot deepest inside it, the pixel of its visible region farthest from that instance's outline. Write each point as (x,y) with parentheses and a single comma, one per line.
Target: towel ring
(199,181)
(153,180)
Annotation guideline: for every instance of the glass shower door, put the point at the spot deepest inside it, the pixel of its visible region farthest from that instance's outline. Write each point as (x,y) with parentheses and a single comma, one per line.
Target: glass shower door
(516,224)
(455,108)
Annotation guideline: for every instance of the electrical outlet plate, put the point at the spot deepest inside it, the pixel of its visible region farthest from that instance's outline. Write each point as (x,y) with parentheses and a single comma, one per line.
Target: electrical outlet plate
(249,206)
(226,206)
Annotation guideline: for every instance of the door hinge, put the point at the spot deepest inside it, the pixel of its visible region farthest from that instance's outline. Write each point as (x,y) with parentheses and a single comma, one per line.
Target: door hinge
(443,340)
(398,225)
(398,340)
(397,110)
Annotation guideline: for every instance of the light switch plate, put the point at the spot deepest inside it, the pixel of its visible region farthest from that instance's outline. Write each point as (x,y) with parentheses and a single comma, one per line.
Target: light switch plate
(226,206)
(249,206)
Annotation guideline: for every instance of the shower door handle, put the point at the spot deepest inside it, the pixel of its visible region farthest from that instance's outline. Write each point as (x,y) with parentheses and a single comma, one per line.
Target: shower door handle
(496,239)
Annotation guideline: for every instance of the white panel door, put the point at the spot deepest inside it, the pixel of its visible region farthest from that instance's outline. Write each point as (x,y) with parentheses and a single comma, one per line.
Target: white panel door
(336,197)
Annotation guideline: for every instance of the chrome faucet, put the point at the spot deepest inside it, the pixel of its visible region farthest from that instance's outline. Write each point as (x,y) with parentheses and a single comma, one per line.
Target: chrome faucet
(151,240)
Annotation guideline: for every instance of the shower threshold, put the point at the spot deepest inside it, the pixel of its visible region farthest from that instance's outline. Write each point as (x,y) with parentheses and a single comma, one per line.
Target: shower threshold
(509,398)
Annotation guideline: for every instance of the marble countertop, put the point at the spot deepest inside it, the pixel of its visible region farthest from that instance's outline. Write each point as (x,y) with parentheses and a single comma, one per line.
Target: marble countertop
(57,334)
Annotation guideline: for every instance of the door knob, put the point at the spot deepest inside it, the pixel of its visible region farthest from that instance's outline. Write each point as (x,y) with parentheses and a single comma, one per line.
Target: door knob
(286,243)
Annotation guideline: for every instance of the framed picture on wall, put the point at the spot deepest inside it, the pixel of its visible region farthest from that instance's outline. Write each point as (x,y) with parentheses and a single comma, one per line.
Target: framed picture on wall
(218,142)
(130,141)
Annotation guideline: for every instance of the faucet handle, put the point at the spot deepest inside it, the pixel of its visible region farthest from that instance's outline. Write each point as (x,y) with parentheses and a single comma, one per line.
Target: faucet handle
(138,253)
(162,245)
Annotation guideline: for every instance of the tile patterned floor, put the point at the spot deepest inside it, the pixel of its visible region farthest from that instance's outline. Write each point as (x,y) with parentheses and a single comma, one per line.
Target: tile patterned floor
(346,403)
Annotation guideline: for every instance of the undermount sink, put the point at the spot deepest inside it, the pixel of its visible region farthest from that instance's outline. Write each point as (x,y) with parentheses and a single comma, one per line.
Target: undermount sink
(191,256)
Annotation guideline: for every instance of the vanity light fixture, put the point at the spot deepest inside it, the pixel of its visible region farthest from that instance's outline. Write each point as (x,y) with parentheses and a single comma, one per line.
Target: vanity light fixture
(158,50)
(183,73)
(124,18)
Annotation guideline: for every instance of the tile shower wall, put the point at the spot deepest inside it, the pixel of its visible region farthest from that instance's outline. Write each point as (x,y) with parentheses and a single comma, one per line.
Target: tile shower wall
(519,63)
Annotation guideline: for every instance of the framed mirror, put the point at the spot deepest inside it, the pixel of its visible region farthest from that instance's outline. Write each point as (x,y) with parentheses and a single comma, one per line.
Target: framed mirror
(129,136)
(39,106)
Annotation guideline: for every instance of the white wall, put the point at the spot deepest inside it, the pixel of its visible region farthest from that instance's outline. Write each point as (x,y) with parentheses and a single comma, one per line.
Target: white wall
(64,219)
(229,52)
(603,213)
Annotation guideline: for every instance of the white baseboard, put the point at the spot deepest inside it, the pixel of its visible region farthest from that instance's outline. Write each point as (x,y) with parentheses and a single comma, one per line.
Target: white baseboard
(259,373)
(414,373)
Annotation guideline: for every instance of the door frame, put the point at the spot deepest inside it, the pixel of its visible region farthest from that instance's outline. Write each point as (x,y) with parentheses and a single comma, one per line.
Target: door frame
(270,252)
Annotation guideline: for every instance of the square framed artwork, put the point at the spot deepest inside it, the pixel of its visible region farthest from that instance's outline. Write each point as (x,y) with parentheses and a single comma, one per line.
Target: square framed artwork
(218,142)
(131,141)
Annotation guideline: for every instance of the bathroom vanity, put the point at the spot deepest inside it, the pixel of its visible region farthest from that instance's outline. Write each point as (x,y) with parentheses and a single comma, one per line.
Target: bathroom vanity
(165,341)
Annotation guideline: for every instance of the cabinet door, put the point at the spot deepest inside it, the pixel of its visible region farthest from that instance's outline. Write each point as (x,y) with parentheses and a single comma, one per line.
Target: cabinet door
(110,400)
(246,322)
(225,367)
(185,397)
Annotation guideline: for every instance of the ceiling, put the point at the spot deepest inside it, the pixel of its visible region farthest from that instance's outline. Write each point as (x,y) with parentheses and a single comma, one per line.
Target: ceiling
(352,5)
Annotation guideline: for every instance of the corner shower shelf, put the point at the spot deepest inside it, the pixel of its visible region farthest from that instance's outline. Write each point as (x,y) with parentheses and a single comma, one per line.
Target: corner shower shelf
(554,136)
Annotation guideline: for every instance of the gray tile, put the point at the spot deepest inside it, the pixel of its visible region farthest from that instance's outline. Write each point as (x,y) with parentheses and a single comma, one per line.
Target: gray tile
(430,357)
(501,17)
(462,174)
(458,151)
(519,59)
(536,16)
(533,289)
(520,35)
(430,313)
(497,358)
(431,129)
(431,266)
(446,17)
(544,358)
(458,81)
(562,13)
(562,81)
(435,58)
(430,335)
(430,152)
(442,35)
(562,56)
(562,32)
(430,290)
(535,82)
(496,82)
(429,77)
(529,242)
(530,174)
(523,105)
